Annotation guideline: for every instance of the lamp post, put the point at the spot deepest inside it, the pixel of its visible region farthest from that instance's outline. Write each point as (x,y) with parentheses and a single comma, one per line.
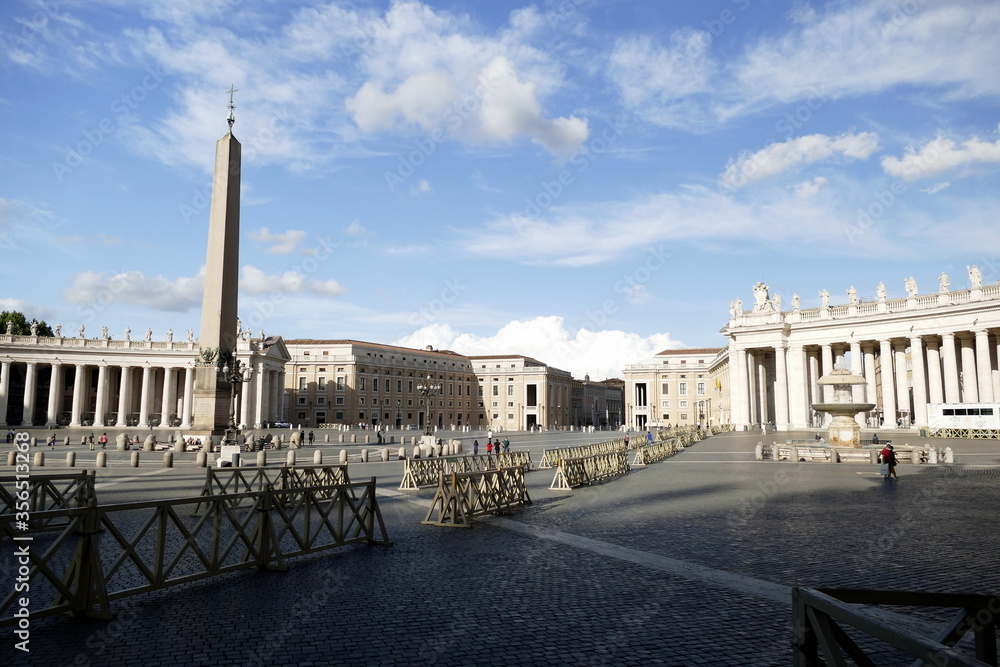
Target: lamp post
(234,374)
(399,413)
(428,390)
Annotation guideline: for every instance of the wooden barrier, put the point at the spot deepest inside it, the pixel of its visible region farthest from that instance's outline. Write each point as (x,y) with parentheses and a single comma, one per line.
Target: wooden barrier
(425,472)
(235,481)
(462,496)
(575,472)
(46,492)
(659,450)
(551,457)
(818,614)
(99,557)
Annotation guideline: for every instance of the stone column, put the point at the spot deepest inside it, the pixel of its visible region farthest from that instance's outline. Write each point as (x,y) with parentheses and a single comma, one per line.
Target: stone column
(919,381)
(4,390)
(124,389)
(750,377)
(188,396)
(100,407)
(798,399)
(827,359)
(147,374)
(780,389)
(167,402)
(902,384)
(984,366)
(857,368)
(815,396)
(871,395)
(970,381)
(260,394)
(934,386)
(762,389)
(55,387)
(29,393)
(888,384)
(952,391)
(79,375)
(739,396)
(246,389)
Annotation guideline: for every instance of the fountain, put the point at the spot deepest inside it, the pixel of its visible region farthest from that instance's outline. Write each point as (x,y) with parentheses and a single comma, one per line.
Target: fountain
(844,429)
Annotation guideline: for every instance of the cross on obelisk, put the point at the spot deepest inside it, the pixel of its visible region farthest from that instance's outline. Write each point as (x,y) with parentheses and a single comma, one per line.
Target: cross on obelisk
(219,301)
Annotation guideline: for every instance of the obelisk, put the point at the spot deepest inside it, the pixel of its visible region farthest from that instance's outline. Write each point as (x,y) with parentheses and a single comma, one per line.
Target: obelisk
(217,341)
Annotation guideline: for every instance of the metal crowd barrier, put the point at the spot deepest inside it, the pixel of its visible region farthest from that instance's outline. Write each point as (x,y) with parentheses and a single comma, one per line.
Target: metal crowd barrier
(425,472)
(582,470)
(108,552)
(818,615)
(461,496)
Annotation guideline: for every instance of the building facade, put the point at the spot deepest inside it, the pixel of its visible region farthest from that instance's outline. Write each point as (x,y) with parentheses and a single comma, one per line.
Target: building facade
(913,351)
(102,382)
(680,387)
(521,393)
(351,382)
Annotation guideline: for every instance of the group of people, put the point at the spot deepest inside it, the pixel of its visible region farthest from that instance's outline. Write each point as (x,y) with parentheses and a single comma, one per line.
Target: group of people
(492,445)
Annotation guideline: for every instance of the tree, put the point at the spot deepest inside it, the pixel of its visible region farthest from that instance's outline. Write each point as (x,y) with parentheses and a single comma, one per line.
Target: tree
(21,324)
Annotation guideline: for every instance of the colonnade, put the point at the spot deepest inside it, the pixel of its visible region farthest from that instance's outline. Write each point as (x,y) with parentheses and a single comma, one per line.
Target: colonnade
(121,395)
(777,384)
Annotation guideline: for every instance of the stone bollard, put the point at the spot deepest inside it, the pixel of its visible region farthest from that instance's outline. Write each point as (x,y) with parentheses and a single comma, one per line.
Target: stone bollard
(874,456)
(102,460)
(121,442)
(135,459)
(70,459)
(11,458)
(392,439)
(457,447)
(340,437)
(326,437)
(385,453)
(83,440)
(180,446)
(932,455)
(343,456)
(201,459)
(364,456)
(915,457)
(354,438)
(318,457)
(416,451)
(949,456)
(758,451)
(445,449)
(39,459)
(262,459)
(834,456)
(368,439)
(34,441)
(149,443)
(437,450)
(168,459)
(290,459)
(66,441)
(402,453)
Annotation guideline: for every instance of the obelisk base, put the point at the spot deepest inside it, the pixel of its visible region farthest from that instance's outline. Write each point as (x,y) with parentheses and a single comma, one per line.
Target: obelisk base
(211,402)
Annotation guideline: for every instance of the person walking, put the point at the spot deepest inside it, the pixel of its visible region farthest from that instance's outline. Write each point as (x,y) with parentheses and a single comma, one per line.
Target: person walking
(889,462)
(489,446)
(52,441)
(475,448)
(104,441)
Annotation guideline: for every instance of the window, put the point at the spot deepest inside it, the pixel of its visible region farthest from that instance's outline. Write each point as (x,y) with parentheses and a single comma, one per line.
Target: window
(480,394)
(302,400)
(665,389)
(496,390)
(321,400)
(510,404)
(682,388)
(340,415)
(409,386)
(666,416)
(510,415)
(302,384)
(510,390)
(684,404)
(302,415)
(387,385)
(361,400)
(665,404)
(321,370)
(399,386)
(340,383)
(339,401)
(701,388)
(683,416)
(321,383)
(496,404)
(361,384)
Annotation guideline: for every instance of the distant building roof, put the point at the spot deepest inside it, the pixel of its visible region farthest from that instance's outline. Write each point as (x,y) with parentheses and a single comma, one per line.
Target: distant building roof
(381,346)
(690,350)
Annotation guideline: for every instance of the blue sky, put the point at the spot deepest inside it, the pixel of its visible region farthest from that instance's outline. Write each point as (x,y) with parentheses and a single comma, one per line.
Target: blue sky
(587,182)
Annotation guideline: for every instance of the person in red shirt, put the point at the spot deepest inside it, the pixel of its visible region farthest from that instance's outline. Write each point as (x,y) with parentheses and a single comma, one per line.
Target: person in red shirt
(889,457)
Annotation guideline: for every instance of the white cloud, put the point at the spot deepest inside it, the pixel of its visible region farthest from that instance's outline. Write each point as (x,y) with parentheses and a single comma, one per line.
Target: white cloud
(936,188)
(658,83)
(29,310)
(938,155)
(133,287)
(602,354)
(421,188)
(281,243)
(786,155)
(808,189)
(255,281)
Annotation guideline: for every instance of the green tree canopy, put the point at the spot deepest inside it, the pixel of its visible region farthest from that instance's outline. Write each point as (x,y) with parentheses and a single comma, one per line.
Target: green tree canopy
(21,324)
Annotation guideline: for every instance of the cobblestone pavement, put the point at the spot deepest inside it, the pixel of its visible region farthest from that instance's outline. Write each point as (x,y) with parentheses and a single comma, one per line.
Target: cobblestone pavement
(688,561)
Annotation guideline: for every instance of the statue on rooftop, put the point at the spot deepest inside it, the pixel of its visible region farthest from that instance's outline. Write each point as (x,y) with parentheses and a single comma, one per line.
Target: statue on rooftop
(880,290)
(943,282)
(911,286)
(975,277)
(796,302)
(760,296)
(852,296)
(825,297)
